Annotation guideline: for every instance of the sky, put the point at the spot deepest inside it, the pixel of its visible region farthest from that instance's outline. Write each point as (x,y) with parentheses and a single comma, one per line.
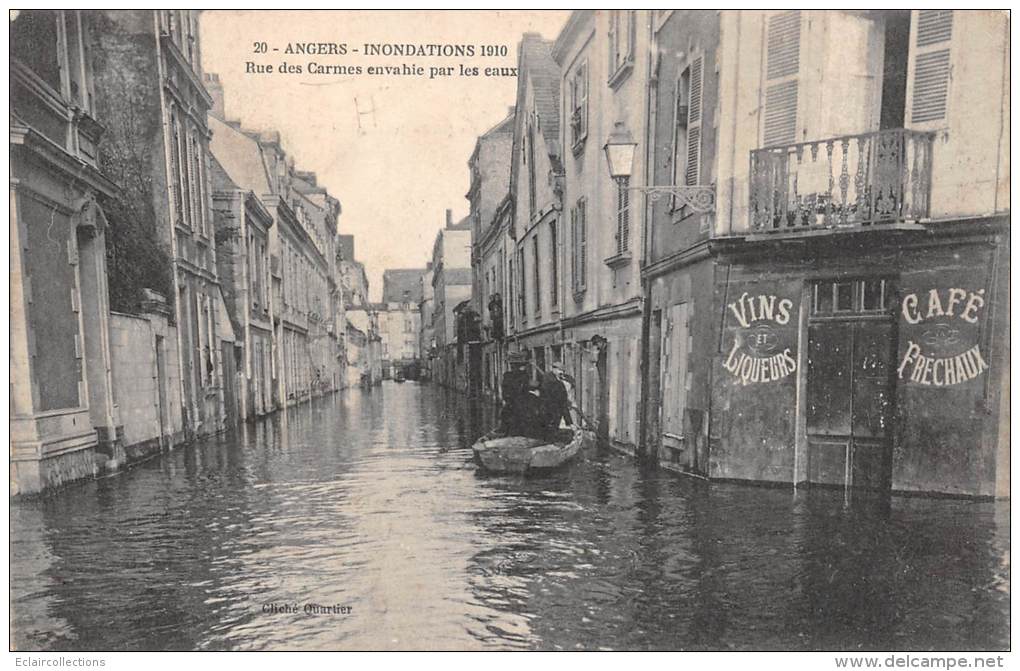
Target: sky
(392,148)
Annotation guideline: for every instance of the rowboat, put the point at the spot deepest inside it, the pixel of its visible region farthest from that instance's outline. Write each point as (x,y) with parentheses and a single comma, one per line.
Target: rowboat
(519,454)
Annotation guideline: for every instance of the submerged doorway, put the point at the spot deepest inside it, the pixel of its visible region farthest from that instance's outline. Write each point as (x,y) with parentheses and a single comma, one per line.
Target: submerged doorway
(851,354)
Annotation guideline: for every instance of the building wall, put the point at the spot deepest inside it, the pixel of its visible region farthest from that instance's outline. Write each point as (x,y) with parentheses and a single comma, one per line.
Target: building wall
(587,173)
(400,332)
(608,303)
(944,435)
(152,418)
(538,295)
(63,414)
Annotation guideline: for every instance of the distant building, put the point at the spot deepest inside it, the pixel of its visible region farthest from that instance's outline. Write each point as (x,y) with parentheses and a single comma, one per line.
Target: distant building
(452,281)
(426,332)
(294,331)
(364,349)
(490,184)
(400,321)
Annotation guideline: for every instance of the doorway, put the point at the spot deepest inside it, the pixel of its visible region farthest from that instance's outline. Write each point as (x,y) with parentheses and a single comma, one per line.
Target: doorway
(162,410)
(673,372)
(850,386)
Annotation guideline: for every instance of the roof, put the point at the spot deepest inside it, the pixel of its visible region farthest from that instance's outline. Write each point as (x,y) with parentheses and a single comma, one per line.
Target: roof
(458,276)
(240,156)
(540,69)
(462,225)
(402,285)
(537,68)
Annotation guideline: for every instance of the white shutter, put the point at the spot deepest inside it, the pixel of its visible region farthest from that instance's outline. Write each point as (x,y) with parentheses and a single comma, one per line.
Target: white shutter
(582,225)
(584,100)
(782,70)
(928,89)
(694,122)
(573,248)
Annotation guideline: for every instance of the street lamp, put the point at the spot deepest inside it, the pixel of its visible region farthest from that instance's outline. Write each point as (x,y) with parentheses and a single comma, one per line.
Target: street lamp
(620,148)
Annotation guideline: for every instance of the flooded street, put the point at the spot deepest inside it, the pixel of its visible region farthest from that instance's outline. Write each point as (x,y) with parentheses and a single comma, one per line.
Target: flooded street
(370,500)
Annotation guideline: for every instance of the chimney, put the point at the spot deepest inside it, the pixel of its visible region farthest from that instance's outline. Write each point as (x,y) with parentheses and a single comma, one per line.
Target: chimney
(215,89)
(449,218)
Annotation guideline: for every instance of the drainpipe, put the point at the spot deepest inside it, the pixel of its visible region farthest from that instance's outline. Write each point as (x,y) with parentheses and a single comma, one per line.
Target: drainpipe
(649,174)
(186,414)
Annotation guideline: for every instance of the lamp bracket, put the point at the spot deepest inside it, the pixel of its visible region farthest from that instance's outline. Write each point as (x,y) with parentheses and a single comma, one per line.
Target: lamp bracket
(699,198)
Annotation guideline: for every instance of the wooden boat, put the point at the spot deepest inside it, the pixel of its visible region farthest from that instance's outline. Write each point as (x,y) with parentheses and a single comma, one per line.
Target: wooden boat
(519,454)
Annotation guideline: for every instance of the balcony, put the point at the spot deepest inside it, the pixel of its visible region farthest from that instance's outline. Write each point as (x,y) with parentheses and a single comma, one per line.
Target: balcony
(852,181)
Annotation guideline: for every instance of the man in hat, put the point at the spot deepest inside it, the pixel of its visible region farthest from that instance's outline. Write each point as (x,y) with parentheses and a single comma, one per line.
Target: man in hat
(555,402)
(514,416)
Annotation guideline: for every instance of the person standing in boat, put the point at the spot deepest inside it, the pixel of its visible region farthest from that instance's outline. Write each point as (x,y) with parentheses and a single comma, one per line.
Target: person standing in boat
(555,404)
(515,414)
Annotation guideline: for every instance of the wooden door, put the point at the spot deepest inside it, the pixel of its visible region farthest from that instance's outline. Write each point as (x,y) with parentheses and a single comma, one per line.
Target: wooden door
(673,364)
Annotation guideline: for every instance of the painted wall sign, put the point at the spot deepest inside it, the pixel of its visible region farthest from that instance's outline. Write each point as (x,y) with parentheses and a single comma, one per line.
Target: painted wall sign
(761,351)
(940,328)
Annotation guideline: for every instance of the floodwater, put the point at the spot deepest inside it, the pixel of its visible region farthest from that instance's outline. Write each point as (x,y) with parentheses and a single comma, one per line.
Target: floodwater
(368,501)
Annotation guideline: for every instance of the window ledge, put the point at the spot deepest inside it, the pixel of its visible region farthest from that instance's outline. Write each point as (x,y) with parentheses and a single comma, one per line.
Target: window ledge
(618,260)
(621,73)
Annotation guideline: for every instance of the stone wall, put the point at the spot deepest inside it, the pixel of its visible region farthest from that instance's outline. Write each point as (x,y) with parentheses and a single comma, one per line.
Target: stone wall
(136,382)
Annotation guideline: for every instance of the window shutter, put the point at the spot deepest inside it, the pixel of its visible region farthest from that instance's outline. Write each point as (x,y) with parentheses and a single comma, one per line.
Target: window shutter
(583,216)
(584,99)
(694,122)
(573,248)
(782,68)
(933,32)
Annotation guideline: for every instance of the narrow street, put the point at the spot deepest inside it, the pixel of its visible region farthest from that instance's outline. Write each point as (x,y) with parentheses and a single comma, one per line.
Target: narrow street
(370,500)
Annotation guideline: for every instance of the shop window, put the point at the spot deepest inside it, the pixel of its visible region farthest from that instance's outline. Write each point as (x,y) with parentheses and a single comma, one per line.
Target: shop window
(872,295)
(852,296)
(844,297)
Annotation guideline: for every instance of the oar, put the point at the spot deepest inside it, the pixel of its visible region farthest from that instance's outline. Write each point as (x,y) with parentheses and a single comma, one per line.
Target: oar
(591,424)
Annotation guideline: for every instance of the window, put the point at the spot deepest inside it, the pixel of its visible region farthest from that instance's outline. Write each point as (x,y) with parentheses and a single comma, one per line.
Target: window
(622,215)
(536,273)
(195,179)
(686,155)
(782,70)
(530,161)
(579,245)
(77,63)
(554,261)
(578,87)
(510,303)
(34,42)
(522,289)
(621,41)
(842,297)
(177,178)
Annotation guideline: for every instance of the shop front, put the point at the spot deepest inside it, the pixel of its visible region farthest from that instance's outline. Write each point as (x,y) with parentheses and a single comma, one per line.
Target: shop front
(864,362)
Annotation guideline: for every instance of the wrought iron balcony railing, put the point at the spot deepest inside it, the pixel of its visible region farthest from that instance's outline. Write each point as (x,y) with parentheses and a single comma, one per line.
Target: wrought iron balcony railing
(882,177)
